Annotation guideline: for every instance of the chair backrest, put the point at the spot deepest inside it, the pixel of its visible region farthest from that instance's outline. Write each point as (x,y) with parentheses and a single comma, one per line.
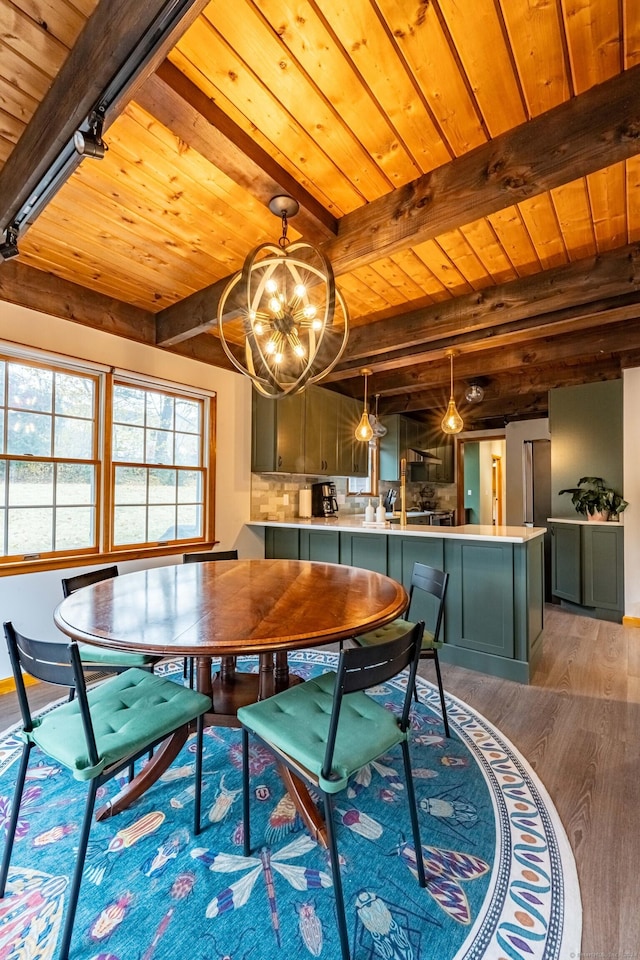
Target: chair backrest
(431,581)
(210,555)
(360,668)
(53,662)
(71,584)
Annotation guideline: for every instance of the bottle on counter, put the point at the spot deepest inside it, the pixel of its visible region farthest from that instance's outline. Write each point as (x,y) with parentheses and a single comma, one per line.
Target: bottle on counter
(381,513)
(369,513)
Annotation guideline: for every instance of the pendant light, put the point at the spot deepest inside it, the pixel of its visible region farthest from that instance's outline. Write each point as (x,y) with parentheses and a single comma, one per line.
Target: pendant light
(281,320)
(452,421)
(379,430)
(364,430)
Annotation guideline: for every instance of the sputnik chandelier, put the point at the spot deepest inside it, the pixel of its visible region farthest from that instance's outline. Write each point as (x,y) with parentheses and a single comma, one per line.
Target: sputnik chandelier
(295,323)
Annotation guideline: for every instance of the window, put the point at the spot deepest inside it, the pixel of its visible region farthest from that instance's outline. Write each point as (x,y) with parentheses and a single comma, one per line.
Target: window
(79,475)
(366,486)
(159,481)
(49,469)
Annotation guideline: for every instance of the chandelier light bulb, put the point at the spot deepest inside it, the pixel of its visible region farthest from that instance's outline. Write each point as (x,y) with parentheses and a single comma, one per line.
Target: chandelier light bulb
(309,311)
(274,305)
(270,347)
(316,325)
(278,358)
(271,286)
(300,290)
(259,328)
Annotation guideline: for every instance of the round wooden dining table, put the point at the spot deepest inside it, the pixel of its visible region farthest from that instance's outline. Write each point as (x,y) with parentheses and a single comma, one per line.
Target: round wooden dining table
(228,609)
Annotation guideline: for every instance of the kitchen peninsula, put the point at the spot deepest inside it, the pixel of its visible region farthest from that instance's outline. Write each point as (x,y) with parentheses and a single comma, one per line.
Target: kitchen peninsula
(495,600)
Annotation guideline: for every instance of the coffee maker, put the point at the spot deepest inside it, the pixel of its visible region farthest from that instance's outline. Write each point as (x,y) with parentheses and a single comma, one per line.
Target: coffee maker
(323,500)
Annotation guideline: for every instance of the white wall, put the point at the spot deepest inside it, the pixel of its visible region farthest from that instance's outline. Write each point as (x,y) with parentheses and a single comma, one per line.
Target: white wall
(29,599)
(631,491)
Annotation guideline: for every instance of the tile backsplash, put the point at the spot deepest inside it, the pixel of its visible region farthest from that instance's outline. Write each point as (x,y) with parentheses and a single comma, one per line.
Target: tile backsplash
(275,496)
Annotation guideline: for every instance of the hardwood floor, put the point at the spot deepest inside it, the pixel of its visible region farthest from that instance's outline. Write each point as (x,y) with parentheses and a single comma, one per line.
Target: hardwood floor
(578,725)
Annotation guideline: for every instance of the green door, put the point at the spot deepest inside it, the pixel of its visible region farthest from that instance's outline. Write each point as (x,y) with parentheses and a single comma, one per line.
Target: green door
(481,617)
(603,565)
(566,561)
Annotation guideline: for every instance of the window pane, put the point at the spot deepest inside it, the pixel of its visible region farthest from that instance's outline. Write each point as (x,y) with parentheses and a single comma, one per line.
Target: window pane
(74,528)
(159,446)
(30,484)
(189,487)
(128,405)
(30,388)
(30,530)
(187,450)
(189,522)
(73,438)
(162,486)
(130,525)
(131,485)
(128,443)
(162,523)
(74,395)
(160,411)
(29,433)
(187,415)
(75,484)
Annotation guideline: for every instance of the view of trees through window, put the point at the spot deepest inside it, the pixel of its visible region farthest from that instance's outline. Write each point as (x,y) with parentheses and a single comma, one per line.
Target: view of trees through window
(53,463)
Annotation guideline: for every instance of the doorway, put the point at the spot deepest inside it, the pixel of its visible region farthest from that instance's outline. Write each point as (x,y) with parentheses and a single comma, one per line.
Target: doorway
(481,493)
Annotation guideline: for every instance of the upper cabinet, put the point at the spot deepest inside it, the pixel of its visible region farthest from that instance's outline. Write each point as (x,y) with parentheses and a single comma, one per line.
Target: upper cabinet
(312,432)
(403,437)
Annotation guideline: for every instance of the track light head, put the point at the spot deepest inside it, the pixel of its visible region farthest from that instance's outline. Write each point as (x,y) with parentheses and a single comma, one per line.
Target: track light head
(9,248)
(89,143)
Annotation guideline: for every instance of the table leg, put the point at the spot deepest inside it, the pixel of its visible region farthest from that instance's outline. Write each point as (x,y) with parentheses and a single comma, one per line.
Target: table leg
(281,675)
(164,755)
(305,806)
(265,683)
(203,675)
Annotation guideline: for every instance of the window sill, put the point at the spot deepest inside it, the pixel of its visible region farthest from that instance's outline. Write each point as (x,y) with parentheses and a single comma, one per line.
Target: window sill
(16,567)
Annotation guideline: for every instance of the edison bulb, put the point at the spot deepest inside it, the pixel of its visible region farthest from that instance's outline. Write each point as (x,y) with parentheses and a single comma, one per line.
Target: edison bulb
(271,286)
(298,350)
(259,328)
(274,305)
(316,325)
(270,347)
(309,311)
(300,290)
(278,357)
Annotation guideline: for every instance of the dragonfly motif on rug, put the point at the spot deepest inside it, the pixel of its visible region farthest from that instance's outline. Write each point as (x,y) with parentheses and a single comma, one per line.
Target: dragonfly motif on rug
(237,894)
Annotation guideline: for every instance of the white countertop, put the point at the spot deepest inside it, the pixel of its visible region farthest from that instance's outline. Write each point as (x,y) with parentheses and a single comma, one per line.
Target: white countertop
(470,531)
(577,520)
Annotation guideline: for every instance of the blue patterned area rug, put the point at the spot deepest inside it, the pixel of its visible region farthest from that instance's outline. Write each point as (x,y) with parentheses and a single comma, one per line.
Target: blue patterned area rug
(501,885)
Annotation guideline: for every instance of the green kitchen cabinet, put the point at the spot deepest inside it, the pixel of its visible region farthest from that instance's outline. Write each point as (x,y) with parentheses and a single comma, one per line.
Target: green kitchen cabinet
(278,434)
(603,566)
(322,411)
(281,543)
(587,567)
(566,562)
(323,545)
(366,550)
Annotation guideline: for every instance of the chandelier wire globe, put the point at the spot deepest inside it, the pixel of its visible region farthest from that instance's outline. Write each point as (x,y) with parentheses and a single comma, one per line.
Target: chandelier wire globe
(295,322)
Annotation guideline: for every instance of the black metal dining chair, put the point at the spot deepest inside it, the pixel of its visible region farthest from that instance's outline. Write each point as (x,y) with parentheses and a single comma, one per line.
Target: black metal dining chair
(103,658)
(328,728)
(426,600)
(101,732)
(203,557)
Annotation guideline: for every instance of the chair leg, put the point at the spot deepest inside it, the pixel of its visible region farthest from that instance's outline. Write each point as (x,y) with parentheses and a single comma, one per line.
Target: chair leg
(440,688)
(413,810)
(337,879)
(77,873)
(246,825)
(198,797)
(13,820)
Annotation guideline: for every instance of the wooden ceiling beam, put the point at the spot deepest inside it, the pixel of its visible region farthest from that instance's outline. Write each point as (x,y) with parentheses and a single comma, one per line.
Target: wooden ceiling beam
(192,116)
(585,134)
(594,130)
(42,291)
(106,43)
(593,279)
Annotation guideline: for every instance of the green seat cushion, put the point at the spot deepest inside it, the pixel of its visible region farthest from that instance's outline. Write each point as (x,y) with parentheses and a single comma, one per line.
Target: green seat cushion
(392,630)
(107,657)
(128,712)
(296,722)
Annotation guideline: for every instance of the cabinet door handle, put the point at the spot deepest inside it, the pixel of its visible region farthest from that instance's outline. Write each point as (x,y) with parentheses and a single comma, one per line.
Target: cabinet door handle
(279,461)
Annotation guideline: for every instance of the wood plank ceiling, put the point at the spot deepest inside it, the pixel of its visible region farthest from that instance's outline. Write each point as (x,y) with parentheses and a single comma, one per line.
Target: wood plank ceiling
(472,169)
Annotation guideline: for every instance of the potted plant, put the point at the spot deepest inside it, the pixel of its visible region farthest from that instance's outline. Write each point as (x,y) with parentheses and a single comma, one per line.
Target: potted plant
(595,500)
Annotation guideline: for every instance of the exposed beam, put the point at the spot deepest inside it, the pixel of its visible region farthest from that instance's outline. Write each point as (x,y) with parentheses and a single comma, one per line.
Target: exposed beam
(59,298)
(599,128)
(191,115)
(107,42)
(611,274)
(582,135)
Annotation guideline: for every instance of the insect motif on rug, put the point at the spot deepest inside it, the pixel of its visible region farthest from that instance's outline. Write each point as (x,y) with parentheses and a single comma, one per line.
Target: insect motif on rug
(444,870)
(391,935)
(224,800)
(238,893)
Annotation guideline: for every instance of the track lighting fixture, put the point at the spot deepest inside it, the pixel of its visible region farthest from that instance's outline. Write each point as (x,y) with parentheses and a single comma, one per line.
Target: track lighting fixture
(89,143)
(9,248)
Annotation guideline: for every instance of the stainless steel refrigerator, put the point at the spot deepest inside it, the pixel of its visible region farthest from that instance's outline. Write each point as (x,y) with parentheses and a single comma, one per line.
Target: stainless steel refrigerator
(537,496)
